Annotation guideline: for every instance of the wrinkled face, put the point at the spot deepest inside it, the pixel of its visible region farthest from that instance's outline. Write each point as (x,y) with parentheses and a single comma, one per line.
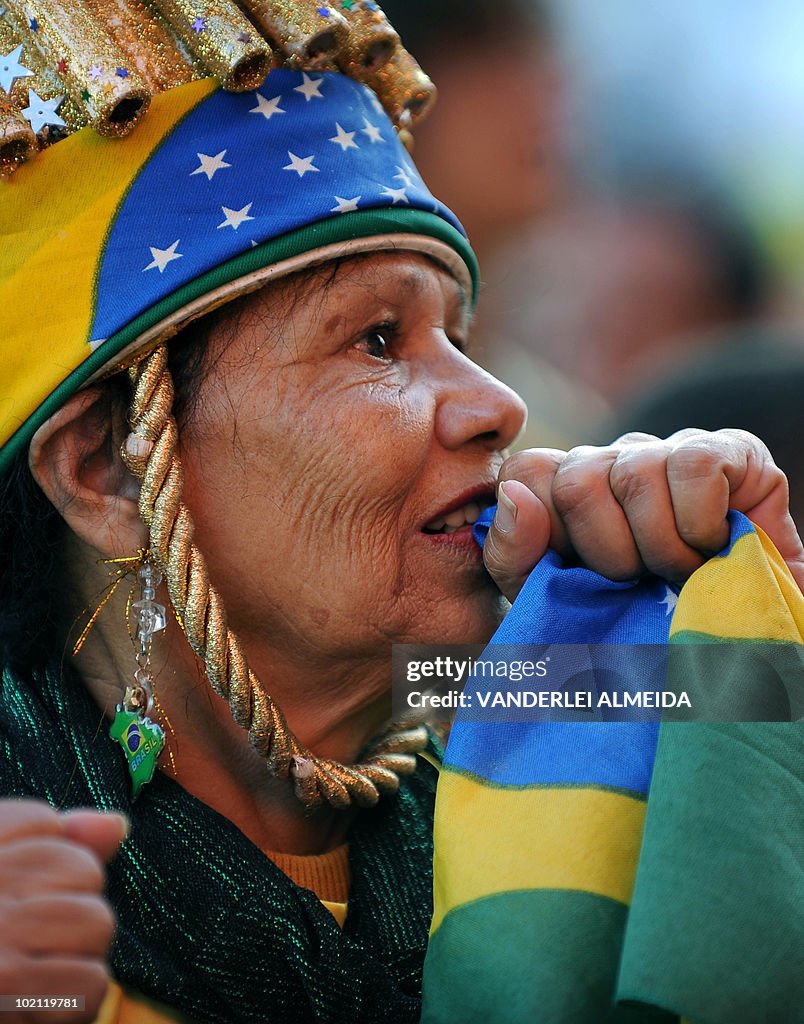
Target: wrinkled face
(341,444)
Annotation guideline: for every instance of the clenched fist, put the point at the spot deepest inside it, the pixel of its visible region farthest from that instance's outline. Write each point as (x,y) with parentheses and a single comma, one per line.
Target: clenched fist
(639,505)
(55,926)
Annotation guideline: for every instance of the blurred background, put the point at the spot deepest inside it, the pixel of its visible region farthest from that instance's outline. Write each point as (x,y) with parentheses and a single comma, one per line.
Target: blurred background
(632,179)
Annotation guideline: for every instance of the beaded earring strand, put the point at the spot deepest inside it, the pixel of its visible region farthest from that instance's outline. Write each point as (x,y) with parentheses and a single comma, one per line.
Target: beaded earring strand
(141,738)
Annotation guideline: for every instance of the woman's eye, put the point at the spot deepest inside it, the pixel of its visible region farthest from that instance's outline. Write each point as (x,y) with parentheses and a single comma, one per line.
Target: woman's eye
(377,341)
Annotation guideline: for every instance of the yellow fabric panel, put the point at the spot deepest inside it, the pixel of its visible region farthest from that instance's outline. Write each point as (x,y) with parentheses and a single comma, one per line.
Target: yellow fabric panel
(55,215)
(123,1007)
(545,838)
(754,572)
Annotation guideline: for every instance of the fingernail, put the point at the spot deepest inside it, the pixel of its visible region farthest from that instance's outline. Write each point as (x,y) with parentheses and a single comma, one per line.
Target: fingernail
(125,824)
(505,516)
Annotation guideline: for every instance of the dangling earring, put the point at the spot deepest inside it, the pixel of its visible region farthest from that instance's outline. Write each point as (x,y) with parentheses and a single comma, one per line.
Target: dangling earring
(142,740)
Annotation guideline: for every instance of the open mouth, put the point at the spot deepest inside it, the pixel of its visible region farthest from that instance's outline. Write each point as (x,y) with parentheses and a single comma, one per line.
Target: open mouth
(459,518)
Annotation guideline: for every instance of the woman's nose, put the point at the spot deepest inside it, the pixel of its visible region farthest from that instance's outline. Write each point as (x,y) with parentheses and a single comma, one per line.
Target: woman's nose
(475,406)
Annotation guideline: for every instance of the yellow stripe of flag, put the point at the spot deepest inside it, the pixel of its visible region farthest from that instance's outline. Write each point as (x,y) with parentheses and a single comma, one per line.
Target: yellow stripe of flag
(763,601)
(501,839)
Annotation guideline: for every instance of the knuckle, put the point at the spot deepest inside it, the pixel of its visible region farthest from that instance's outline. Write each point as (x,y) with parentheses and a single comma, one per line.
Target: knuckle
(633,437)
(693,461)
(494,553)
(530,464)
(578,482)
(633,475)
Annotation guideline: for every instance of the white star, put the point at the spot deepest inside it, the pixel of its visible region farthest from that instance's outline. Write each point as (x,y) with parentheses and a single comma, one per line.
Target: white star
(670,600)
(346,140)
(161,257)
(371,130)
(210,164)
(309,87)
(43,112)
(267,107)
(397,194)
(234,218)
(346,205)
(11,69)
(404,177)
(301,165)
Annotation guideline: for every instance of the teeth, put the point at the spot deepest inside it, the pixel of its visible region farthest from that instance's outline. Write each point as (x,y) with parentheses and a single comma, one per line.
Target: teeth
(456,518)
(472,512)
(468,514)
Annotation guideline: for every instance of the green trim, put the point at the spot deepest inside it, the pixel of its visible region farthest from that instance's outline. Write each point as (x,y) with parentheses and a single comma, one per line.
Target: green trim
(363,224)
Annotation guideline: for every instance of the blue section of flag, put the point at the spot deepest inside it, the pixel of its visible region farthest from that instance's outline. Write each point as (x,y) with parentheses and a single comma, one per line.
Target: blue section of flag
(616,754)
(242,169)
(562,605)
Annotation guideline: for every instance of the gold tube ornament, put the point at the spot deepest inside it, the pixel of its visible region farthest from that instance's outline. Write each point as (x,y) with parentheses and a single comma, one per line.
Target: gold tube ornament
(372,38)
(222,39)
(29,82)
(17,139)
(148,41)
(404,89)
(309,32)
(94,70)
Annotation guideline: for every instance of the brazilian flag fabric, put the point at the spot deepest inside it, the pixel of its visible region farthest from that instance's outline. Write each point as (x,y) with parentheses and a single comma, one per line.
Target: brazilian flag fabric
(634,871)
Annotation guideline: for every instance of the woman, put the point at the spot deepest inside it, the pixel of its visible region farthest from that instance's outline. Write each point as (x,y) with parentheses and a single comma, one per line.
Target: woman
(334,445)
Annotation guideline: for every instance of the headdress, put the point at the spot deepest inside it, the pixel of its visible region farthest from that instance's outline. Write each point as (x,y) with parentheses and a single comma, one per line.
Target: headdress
(204,147)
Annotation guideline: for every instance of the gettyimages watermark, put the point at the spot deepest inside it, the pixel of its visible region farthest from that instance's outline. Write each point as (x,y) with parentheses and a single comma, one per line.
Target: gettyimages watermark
(702,682)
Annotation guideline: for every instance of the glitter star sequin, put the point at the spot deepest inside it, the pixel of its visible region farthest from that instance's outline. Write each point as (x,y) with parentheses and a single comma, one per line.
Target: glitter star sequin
(234,218)
(324,12)
(11,69)
(121,73)
(347,5)
(198,26)
(34,24)
(61,67)
(42,113)
(210,165)
(267,107)
(346,205)
(161,257)
(310,87)
(301,165)
(344,139)
(371,130)
(95,72)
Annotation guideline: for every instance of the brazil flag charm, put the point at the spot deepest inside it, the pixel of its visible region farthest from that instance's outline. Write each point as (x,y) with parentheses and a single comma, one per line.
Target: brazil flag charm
(142,741)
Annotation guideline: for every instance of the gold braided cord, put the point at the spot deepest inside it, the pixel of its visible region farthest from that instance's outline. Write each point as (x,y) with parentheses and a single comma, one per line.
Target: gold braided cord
(151,453)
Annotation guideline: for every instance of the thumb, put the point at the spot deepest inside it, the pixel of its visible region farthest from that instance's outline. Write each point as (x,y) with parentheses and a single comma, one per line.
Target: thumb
(101,832)
(517,538)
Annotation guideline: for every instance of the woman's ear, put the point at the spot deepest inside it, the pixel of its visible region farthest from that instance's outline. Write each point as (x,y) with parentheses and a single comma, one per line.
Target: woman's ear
(75,459)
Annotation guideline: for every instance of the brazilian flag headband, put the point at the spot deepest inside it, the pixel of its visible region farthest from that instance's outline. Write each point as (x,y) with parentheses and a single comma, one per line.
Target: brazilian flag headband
(274,135)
